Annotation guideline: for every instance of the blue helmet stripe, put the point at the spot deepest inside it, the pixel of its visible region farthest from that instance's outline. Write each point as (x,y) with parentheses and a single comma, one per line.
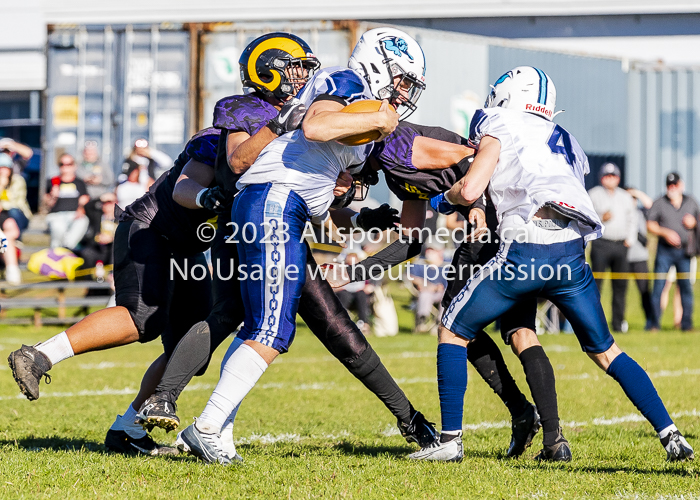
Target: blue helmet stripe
(542,97)
(502,78)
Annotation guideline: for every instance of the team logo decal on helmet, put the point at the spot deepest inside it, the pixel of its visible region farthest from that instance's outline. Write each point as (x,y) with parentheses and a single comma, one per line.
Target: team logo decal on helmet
(398,46)
(525,89)
(277,65)
(393,65)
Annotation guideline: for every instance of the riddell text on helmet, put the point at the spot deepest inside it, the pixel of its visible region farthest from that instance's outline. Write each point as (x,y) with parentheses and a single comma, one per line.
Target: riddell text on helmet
(538,109)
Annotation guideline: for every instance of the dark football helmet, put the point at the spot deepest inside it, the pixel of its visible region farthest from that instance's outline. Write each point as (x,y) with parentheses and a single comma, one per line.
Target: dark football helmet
(277,64)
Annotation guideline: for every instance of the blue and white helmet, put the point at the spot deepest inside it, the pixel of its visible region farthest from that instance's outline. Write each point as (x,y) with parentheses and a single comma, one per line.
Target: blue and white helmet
(524,89)
(383,53)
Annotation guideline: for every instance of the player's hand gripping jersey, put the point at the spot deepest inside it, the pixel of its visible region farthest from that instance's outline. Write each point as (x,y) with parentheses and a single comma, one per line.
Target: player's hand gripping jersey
(311,168)
(540,164)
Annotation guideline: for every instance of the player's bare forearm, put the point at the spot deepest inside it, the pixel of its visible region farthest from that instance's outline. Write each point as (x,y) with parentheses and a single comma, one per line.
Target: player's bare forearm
(325,122)
(241,155)
(195,176)
(341,218)
(413,216)
(468,189)
(433,154)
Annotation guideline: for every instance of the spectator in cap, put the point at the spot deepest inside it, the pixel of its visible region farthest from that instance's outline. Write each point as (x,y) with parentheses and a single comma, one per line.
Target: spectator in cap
(13,193)
(674,219)
(618,211)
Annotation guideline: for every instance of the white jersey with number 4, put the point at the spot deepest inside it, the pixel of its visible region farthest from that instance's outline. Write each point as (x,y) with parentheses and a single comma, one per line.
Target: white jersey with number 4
(309,168)
(540,164)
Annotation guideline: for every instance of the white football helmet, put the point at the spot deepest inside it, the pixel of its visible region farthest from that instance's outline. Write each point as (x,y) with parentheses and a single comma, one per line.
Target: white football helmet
(383,53)
(525,89)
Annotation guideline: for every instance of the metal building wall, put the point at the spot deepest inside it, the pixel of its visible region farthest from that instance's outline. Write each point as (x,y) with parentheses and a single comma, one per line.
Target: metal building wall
(113,85)
(593,91)
(222,48)
(456,79)
(664,127)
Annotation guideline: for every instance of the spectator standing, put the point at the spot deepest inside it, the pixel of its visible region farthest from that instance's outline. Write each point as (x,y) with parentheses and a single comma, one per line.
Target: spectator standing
(98,178)
(13,193)
(19,153)
(617,210)
(66,198)
(638,254)
(674,219)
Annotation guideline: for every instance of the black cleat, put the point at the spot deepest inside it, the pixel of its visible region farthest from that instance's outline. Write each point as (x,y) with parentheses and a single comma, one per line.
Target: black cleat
(523,429)
(677,448)
(419,431)
(28,365)
(158,411)
(121,442)
(558,452)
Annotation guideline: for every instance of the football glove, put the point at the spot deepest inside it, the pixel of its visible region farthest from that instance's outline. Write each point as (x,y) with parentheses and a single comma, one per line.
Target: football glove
(289,117)
(3,242)
(384,217)
(441,205)
(213,199)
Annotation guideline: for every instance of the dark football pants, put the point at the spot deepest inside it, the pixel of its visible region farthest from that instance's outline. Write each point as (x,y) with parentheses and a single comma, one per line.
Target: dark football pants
(160,301)
(319,308)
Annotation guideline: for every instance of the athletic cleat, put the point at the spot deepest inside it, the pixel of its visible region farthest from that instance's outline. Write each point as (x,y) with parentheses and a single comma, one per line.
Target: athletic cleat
(560,451)
(677,448)
(28,365)
(419,431)
(227,443)
(120,442)
(158,411)
(207,447)
(523,429)
(451,451)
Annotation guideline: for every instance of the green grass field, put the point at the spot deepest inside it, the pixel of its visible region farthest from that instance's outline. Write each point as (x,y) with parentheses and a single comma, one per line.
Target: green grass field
(310,430)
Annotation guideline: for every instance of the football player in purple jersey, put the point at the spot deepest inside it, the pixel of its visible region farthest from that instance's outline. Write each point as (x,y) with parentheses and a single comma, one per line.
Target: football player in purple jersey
(249,122)
(153,234)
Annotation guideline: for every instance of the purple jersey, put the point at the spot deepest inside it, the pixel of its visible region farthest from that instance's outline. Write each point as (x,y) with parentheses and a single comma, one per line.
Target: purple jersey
(238,113)
(157,207)
(395,157)
(243,113)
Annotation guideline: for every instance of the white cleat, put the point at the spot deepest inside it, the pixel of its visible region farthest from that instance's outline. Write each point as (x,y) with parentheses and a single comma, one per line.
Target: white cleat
(204,446)
(227,443)
(452,451)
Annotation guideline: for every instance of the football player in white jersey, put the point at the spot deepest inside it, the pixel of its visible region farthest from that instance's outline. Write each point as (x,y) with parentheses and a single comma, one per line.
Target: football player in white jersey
(291,182)
(534,172)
